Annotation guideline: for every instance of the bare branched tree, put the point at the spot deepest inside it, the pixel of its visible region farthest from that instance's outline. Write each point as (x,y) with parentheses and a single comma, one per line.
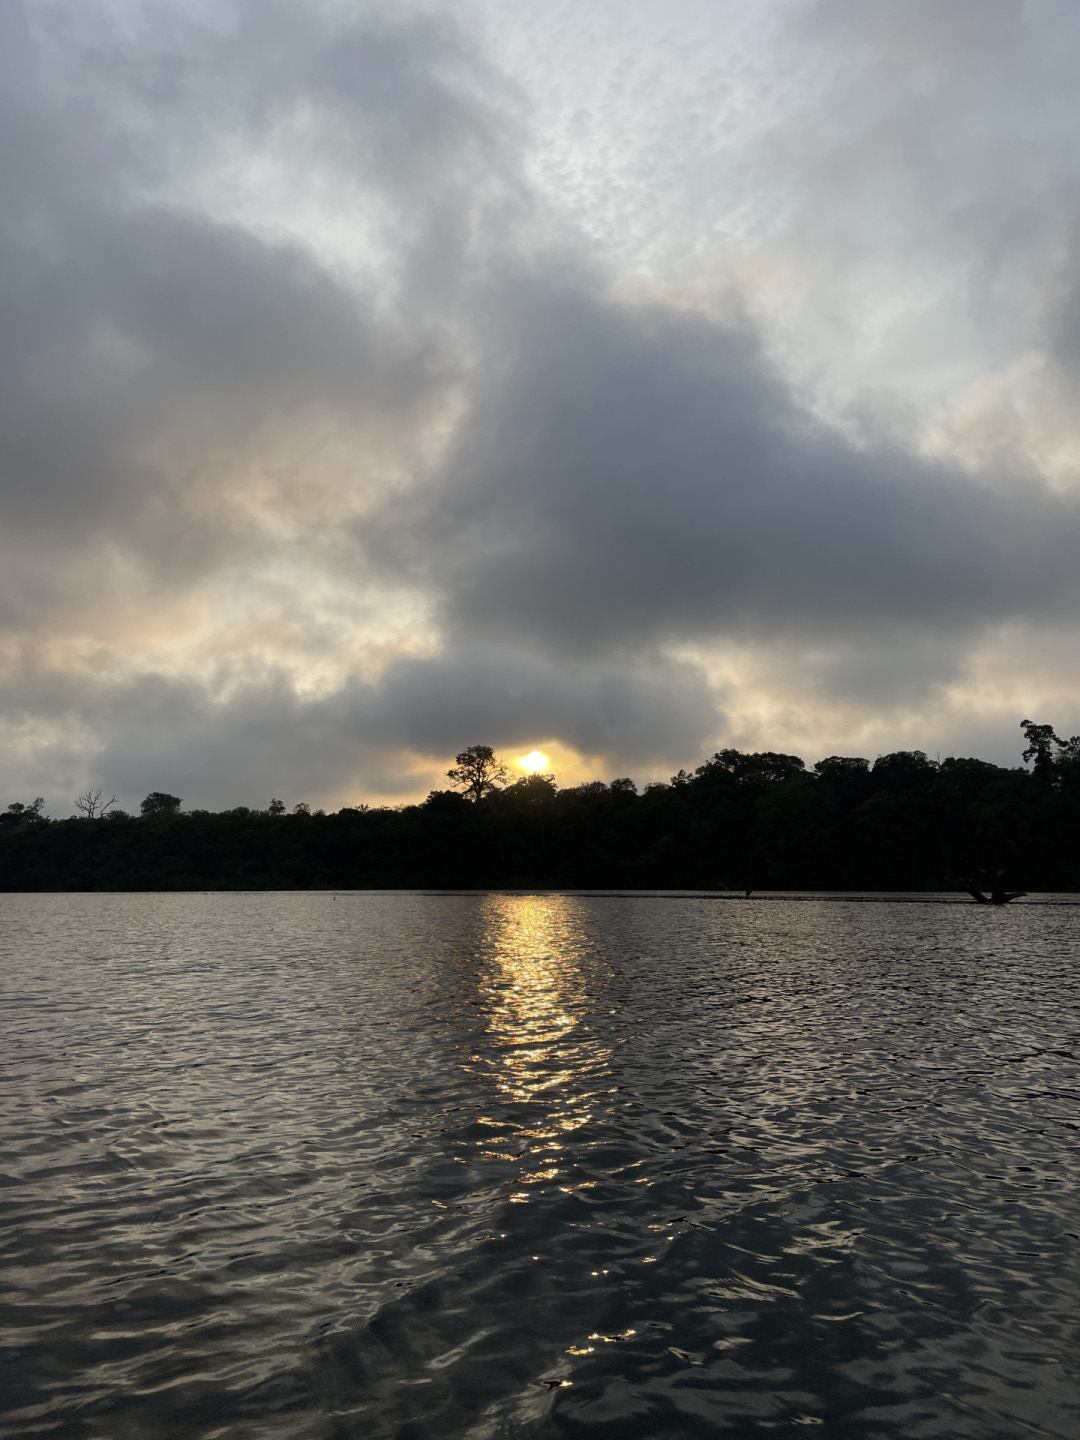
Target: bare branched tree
(93,805)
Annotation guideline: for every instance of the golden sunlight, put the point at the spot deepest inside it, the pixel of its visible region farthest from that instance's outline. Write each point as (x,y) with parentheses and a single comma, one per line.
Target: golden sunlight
(534,762)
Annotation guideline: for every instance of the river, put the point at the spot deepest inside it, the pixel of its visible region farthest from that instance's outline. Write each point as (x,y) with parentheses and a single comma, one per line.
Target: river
(411,1165)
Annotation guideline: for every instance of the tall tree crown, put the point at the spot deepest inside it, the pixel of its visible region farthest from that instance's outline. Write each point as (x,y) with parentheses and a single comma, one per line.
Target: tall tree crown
(478,772)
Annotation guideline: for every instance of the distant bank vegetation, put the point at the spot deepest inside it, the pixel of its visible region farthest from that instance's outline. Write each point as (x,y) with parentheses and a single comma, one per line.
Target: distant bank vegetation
(739,821)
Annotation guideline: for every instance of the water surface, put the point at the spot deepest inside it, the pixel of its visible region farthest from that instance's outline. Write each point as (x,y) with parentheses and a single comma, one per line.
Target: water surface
(557,1166)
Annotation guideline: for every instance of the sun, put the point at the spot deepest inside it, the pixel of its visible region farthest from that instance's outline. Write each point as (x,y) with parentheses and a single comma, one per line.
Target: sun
(534,762)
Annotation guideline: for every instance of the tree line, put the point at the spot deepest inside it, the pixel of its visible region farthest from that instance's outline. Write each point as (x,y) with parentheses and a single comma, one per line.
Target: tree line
(739,821)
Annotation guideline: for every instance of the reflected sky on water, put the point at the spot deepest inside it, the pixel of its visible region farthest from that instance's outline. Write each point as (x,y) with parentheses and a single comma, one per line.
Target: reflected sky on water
(557,1166)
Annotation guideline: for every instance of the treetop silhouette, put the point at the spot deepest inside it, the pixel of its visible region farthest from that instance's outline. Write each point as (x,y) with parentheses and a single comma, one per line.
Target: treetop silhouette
(739,822)
(478,772)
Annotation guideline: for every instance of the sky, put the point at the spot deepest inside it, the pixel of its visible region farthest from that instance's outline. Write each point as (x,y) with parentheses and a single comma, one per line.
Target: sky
(622,379)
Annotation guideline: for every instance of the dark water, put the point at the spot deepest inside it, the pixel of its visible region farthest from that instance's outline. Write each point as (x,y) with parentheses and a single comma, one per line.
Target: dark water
(405,1165)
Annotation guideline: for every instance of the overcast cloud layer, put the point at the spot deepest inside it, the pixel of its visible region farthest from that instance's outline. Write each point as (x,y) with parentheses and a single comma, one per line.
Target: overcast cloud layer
(627,381)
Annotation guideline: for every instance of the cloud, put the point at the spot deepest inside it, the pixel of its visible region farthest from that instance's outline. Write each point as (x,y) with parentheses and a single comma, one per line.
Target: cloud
(654,709)
(635,475)
(154,349)
(228,743)
(931,163)
(332,440)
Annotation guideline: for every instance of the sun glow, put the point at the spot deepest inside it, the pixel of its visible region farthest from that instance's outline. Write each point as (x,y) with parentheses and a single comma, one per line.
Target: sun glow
(534,762)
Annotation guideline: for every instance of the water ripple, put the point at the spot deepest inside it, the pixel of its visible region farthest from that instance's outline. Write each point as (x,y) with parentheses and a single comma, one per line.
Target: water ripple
(560,1166)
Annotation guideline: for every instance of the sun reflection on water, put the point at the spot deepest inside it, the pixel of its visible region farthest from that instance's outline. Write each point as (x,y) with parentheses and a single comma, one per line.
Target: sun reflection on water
(546,1064)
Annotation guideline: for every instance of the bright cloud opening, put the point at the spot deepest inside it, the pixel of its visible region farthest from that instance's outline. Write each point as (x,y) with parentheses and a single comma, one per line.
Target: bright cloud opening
(533,763)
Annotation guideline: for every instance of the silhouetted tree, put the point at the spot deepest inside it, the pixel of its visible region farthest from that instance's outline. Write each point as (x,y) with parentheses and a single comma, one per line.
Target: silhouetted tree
(276,807)
(158,803)
(764,767)
(588,787)
(18,816)
(538,789)
(92,805)
(903,770)
(1051,754)
(445,802)
(478,772)
(1041,745)
(847,775)
(738,821)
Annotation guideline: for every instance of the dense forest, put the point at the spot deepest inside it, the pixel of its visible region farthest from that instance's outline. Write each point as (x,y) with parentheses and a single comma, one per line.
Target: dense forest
(739,821)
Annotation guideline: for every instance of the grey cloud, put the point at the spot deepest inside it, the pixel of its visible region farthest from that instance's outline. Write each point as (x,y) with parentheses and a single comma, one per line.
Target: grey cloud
(962,33)
(636,711)
(168,325)
(1059,320)
(147,345)
(625,477)
(402,101)
(936,150)
(257,735)
(157,341)
(633,475)
(893,667)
